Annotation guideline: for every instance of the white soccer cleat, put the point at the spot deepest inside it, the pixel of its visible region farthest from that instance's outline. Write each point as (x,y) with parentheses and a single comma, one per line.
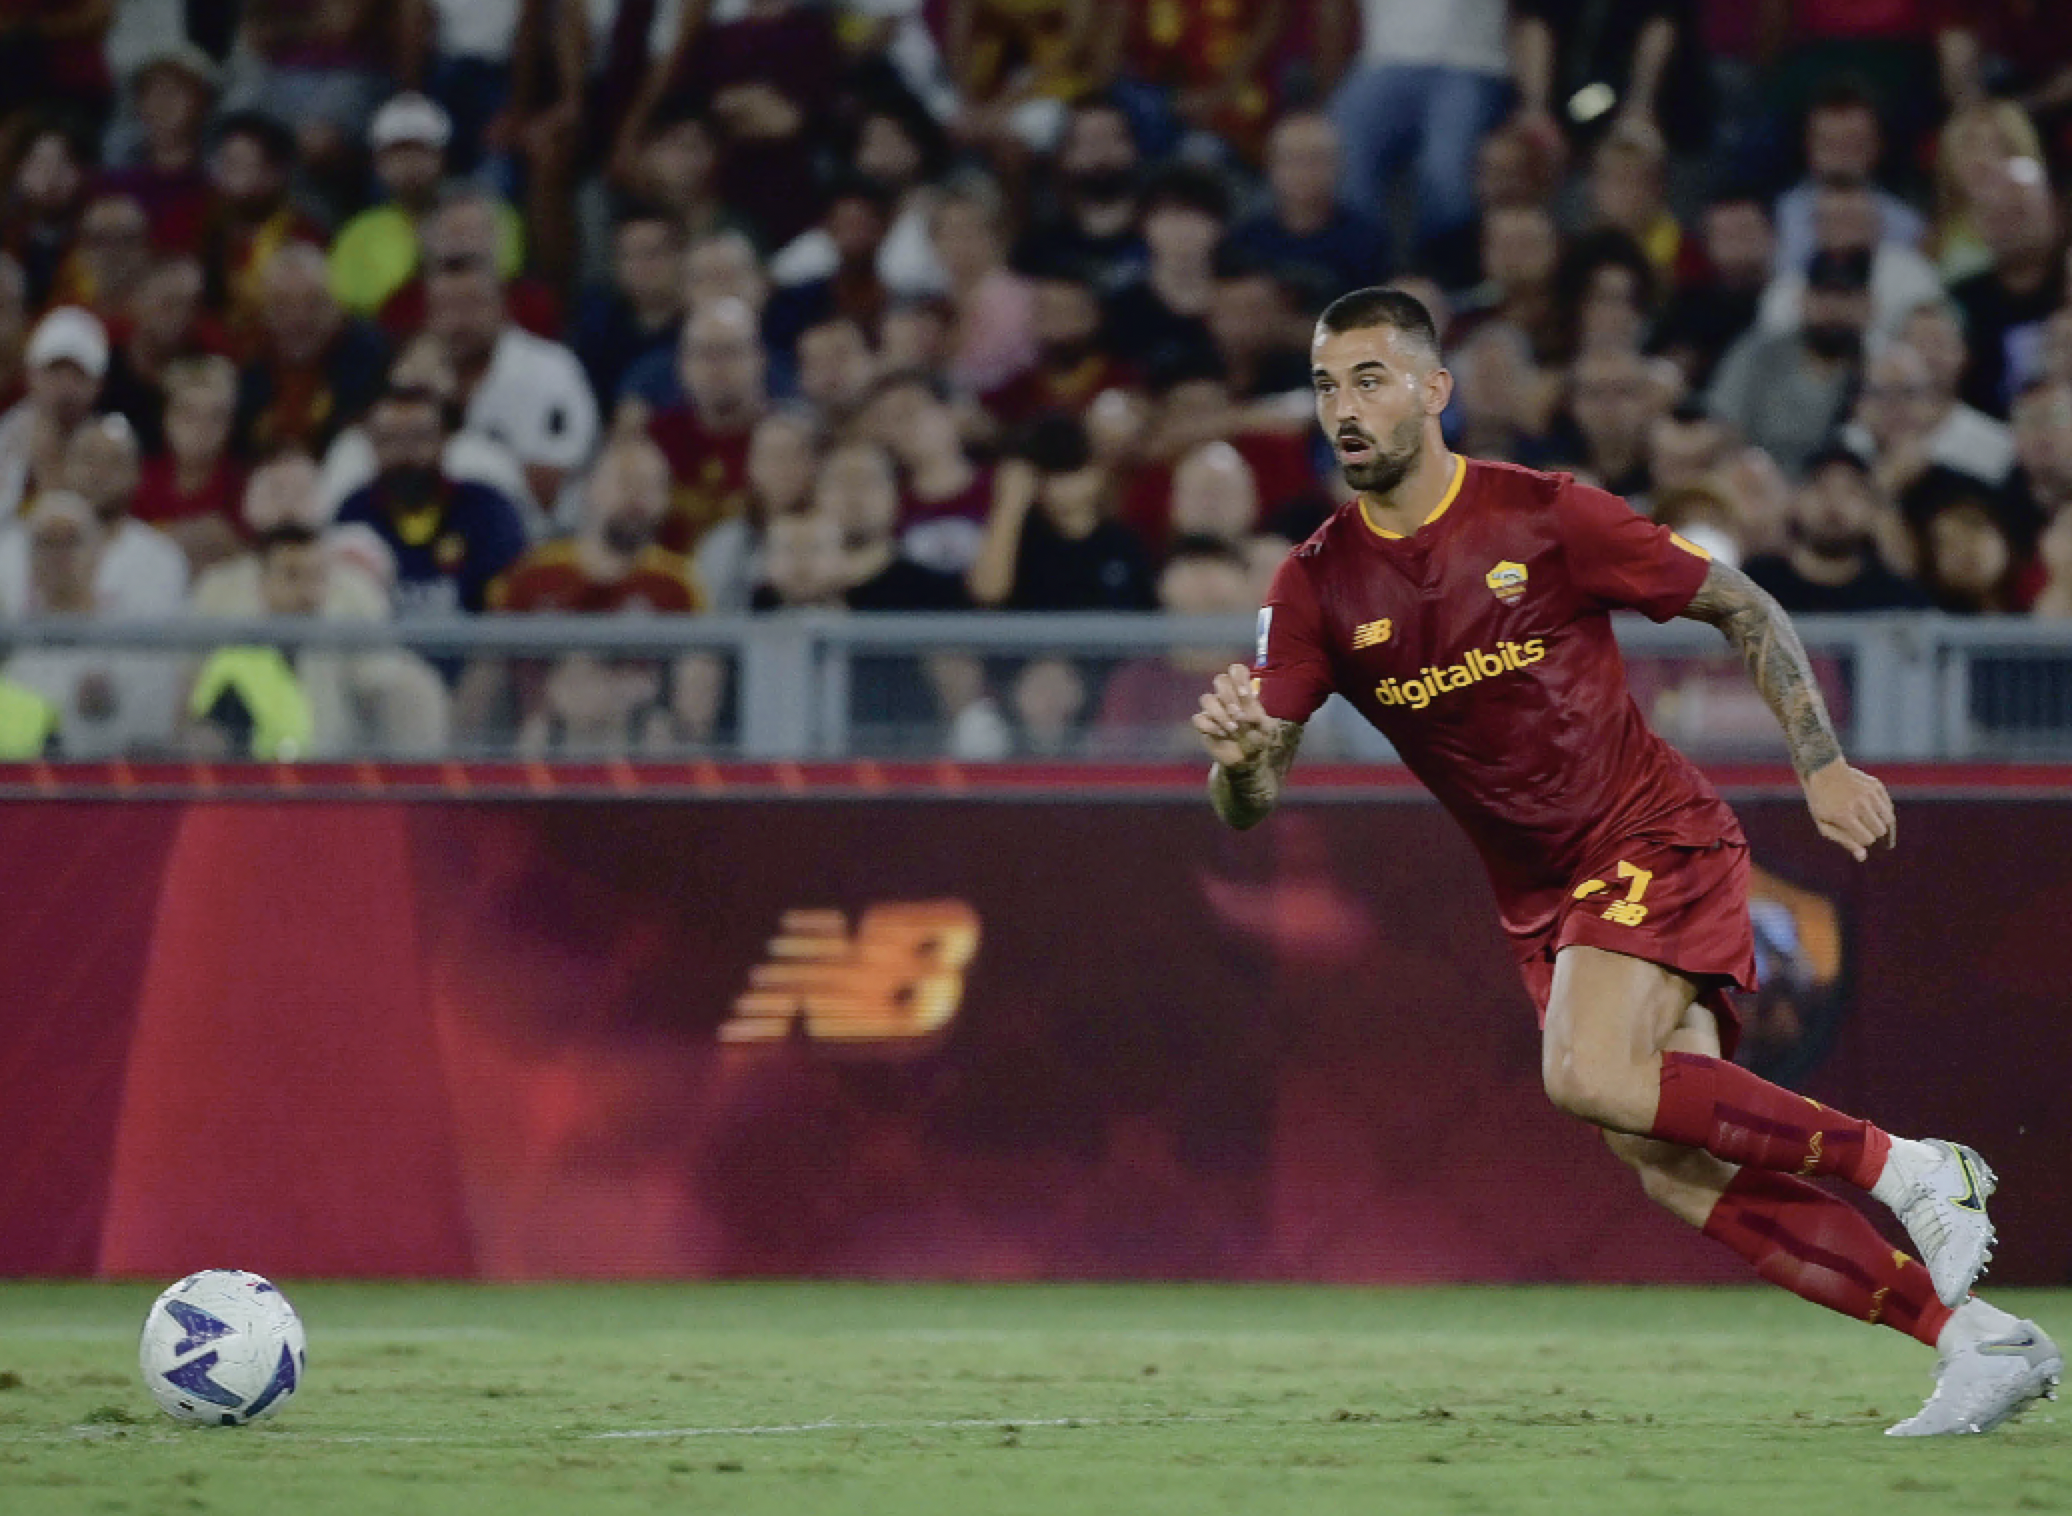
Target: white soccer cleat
(1983,1383)
(1942,1204)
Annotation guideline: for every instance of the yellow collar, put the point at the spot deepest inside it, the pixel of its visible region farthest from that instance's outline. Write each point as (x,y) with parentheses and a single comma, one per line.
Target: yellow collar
(1460,474)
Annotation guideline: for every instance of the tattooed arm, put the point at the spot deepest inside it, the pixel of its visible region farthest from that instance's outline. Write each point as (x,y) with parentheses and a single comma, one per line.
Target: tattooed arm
(1849,806)
(1252,750)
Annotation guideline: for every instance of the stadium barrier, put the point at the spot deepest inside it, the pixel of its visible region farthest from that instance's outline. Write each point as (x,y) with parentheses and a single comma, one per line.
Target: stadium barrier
(942,1023)
(819,685)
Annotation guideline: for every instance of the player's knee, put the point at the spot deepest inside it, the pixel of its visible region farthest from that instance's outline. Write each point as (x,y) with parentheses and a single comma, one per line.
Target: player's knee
(1587,1089)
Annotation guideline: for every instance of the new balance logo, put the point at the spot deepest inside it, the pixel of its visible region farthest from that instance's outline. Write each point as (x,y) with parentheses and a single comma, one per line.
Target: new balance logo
(899,975)
(1373,633)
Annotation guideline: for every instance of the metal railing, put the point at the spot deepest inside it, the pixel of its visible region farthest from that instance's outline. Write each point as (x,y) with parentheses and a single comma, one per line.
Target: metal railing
(821,684)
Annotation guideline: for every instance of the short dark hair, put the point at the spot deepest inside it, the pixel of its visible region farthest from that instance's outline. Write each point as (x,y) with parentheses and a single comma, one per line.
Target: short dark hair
(1190,186)
(1055,443)
(1373,307)
(635,210)
(410,395)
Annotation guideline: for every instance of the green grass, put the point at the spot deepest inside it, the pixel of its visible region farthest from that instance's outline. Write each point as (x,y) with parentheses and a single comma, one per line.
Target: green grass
(1037,1400)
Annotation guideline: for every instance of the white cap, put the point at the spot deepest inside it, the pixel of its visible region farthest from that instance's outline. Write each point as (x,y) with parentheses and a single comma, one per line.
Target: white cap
(411,117)
(73,335)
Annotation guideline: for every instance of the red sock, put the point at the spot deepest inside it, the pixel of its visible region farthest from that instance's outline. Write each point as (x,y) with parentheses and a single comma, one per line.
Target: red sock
(1720,1107)
(1823,1249)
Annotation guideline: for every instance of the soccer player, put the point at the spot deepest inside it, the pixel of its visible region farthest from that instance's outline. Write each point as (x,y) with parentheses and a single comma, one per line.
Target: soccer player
(1464,609)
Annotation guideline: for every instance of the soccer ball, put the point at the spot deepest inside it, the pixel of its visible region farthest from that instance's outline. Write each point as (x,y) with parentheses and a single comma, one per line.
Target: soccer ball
(221,1348)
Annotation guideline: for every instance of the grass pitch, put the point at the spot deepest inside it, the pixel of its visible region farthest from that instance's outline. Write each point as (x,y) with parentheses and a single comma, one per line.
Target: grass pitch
(1037,1401)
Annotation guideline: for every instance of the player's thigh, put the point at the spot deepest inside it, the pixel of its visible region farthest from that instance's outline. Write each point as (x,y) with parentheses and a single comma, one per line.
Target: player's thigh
(1608,1012)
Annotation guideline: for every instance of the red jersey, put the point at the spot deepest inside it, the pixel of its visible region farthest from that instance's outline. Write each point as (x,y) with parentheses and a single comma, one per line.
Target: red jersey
(1481,646)
(708,471)
(551,578)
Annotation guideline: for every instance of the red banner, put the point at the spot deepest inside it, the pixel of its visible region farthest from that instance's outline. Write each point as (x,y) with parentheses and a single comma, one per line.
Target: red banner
(911,1037)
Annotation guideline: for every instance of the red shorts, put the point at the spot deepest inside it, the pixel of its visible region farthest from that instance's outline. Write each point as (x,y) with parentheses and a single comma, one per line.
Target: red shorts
(1682,905)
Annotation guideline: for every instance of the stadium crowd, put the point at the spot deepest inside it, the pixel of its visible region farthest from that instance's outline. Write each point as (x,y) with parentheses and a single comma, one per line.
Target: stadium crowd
(375,310)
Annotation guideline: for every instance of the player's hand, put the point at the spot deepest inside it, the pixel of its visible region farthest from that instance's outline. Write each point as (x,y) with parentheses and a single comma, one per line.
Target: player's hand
(1852,808)
(1233,724)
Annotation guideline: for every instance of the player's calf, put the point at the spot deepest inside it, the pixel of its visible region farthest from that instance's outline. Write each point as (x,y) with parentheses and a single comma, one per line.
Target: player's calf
(1686,1182)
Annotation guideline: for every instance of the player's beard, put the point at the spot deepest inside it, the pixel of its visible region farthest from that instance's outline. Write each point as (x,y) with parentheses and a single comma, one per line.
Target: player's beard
(1388,467)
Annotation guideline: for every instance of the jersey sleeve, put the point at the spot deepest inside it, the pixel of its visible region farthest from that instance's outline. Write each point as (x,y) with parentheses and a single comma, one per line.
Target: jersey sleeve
(1621,560)
(1292,662)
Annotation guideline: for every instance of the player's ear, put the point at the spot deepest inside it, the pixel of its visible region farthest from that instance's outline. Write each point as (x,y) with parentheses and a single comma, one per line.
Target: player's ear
(1438,390)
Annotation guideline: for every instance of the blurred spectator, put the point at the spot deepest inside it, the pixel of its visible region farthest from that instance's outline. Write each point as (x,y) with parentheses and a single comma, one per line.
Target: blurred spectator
(451,538)
(141,572)
(110,259)
(1257,335)
(1593,66)
(836,369)
(54,53)
(901,152)
(1521,249)
(174,90)
(2040,489)
(1832,563)
(1163,317)
(283,703)
(165,323)
(1071,367)
(1845,220)
(783,459)
(1761,498)
(992,341)
(1628,192)
(1015,63)
(1604,293)
(1048,702)
(1612,405)
(847,284)
(1216,497)
(1050,545)
(1199,76)
(1976,144)
(350,465)
(314,369)
(109,702)
(466,234)
(802,565)
(1844,143)
(1505,401)
(2023,51)
(2054,551)
(43,204)
(615,562)
(1968,564)
(253,219)
(14,331)
(1511,173)
(1305,234)
(1146,703)
(1706,314)
(1701,513)
(945,498)
(1784,391)
(66,359)
(857,489)
(379,251)
(1429,81)
(1686,446)
(917,336)
(673,165)
(722,266)
(2005,307)
(523,391)
(192,490)
(1906,425)
(641,311)
(320,66)
(706,438)
(1093,223)
(765,78)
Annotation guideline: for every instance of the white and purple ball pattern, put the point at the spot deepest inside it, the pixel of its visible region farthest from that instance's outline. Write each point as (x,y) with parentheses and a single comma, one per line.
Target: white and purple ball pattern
(221,1348)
